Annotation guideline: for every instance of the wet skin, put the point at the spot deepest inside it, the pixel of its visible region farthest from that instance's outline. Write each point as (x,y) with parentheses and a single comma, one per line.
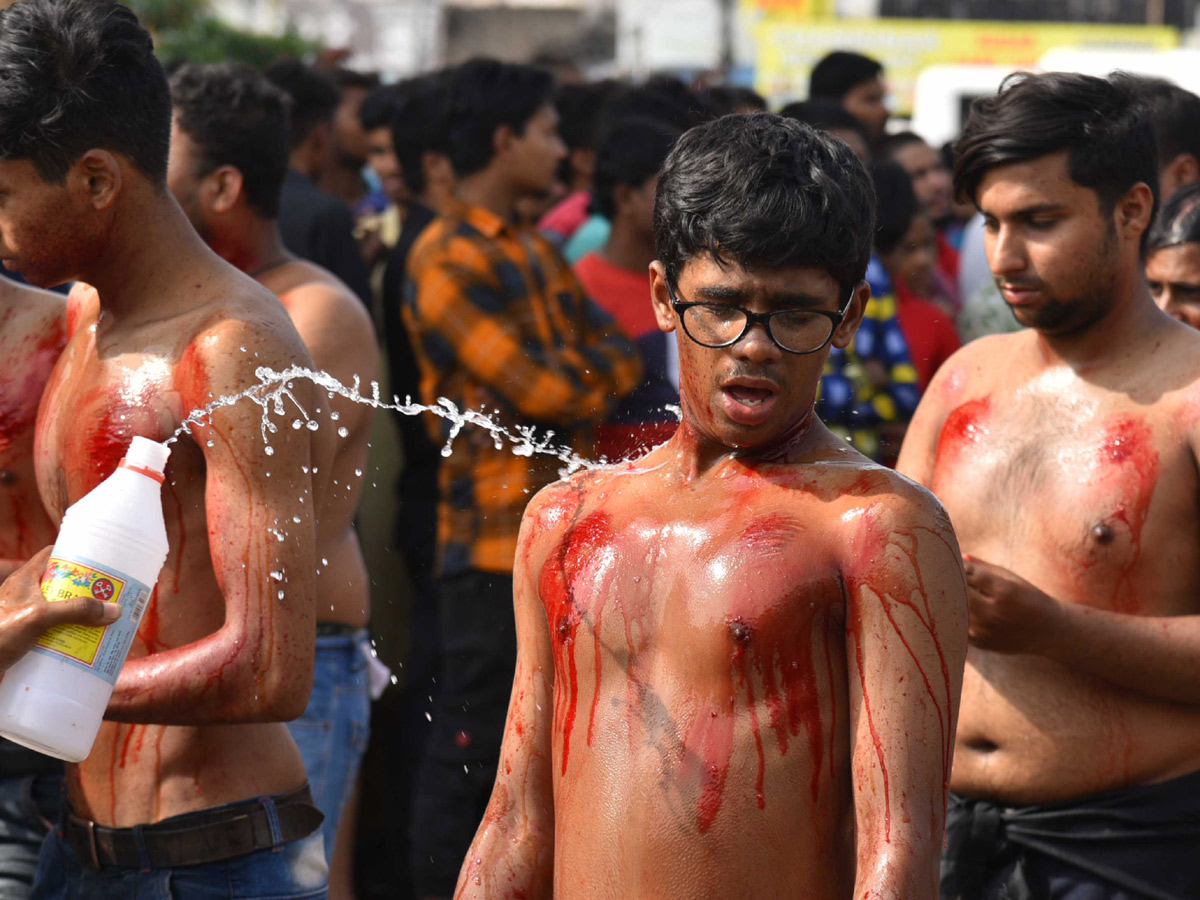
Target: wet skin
(737,672)
(33,331)
(222,641)
(338,333)
(1069,470)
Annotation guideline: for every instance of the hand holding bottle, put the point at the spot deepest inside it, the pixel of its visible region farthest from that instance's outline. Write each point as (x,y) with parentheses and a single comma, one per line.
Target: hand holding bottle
(25,614)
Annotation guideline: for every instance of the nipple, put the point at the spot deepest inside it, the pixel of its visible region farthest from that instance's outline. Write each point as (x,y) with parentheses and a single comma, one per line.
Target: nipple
(1103,533)
(739,631)
(8,476)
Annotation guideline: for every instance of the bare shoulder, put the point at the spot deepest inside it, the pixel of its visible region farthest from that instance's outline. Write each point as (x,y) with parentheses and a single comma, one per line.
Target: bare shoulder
(554,510)
(315,296)
(975,367)
(231,340)
(878,504)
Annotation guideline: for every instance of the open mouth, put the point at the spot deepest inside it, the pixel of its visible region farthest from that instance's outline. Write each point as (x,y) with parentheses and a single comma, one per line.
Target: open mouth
(748,396)
(748,404)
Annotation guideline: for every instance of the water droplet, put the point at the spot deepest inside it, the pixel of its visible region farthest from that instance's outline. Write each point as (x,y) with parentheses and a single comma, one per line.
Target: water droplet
(312,425)
(280,595)
(209,443)
(269,450)
(296,519)
(358,472)
(243,349)
(333,415)
(324,561)
(343,432)
(296,424)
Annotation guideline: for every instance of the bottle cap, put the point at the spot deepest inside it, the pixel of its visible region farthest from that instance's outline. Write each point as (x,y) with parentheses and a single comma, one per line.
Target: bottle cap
(144,453)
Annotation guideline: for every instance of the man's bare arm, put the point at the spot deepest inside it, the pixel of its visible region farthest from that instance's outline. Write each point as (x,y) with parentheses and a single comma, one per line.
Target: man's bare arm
(905,650)
(513,851)
(1158,656)
(258,665)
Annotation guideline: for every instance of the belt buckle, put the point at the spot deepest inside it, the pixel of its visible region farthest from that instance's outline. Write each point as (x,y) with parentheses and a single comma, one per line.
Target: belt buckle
(91,834)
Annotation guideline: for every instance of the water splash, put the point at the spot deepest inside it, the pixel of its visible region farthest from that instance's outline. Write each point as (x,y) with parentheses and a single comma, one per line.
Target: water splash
(274,393)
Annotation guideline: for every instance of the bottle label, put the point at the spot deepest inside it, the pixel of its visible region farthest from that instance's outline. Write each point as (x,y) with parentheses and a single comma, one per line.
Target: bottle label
(99,650)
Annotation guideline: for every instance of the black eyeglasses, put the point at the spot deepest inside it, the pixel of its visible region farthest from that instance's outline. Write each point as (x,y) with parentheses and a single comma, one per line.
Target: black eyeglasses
(793,330)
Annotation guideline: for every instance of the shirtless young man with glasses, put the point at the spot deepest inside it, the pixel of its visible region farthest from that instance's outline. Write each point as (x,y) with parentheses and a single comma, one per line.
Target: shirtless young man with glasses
(739,657)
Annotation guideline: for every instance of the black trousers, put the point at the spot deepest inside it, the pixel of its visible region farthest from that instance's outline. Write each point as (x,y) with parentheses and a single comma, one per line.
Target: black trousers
(1139,842)
(479,656)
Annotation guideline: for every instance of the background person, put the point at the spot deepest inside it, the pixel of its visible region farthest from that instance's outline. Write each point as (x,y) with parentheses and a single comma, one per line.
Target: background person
(497,321)
(854,82)
(315,225)
(617,278)
(227,165)
(1173,256)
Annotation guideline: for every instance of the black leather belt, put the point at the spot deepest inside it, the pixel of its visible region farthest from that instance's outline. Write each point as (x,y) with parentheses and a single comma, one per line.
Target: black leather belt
(194,839)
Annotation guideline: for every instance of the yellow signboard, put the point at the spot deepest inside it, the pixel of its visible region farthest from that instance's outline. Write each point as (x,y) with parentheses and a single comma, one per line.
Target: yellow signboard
(788,46)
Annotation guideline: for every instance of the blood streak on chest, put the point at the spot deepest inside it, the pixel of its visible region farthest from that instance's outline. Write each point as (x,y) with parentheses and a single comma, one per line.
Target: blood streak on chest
(964,433)
(571,589)
(771,666)
(1126,466)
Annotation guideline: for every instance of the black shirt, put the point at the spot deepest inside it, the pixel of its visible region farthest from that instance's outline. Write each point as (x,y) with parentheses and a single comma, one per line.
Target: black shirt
(319,227)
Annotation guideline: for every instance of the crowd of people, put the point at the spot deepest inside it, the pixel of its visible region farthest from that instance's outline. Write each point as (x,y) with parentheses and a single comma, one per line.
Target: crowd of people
(815,355)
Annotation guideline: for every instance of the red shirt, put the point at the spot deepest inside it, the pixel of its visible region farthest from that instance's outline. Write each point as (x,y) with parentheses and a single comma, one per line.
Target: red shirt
(929,331)
(641,420)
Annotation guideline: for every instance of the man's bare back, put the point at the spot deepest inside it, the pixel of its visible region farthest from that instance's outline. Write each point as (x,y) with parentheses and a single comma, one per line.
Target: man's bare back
(338,333)
(1084,485)
(707,654)
(32,334)
(222,640)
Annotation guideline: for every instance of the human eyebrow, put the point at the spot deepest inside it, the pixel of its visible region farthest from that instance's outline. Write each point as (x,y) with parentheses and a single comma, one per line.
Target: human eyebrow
(721,292)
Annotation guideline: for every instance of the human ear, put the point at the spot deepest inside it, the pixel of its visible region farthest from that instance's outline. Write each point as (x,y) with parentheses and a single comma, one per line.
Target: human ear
(224,188)
(844,333)
(97,177)
(1134,211)
(502,139)
(660,298)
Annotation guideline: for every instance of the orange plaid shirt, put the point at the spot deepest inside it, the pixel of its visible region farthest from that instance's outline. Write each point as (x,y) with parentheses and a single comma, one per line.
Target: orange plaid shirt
(498,320)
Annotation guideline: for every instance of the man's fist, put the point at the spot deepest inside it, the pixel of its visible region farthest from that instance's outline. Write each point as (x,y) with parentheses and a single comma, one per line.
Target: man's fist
(1008,614)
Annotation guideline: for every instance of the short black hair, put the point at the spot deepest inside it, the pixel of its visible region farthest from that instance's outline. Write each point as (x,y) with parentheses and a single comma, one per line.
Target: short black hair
(236,117)
(824,115)
(838,73)
(347,79)
(633,151)
(896,204)
(418,124)
(486,94)
(314,97)
(1174,114)
(77,75)
(765,192)
(890,143)
(1178,222)
(726,99)
(1099,122)
(579,118)
(378,108)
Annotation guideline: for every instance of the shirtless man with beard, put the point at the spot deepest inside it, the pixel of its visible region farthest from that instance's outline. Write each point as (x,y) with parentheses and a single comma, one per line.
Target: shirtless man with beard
(194,780)
(739,657)
(229,156)
(1066,456)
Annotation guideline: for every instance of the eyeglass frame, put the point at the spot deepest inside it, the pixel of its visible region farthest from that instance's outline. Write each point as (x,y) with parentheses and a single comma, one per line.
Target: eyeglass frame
(753,318)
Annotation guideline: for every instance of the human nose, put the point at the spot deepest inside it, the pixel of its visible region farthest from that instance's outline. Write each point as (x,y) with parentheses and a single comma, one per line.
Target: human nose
(1005,252)
(757,345)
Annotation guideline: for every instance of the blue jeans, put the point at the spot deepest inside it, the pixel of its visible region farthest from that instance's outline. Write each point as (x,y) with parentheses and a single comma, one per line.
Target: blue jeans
(292,871)
(29,805)
(332,733)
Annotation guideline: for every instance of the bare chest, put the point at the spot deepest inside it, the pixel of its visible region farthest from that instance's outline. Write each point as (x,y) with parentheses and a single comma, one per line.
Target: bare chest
(1089,502)
(91,411)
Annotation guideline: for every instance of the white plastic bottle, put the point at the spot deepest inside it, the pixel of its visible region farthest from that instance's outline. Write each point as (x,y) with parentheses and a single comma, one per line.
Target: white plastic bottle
(111,545)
